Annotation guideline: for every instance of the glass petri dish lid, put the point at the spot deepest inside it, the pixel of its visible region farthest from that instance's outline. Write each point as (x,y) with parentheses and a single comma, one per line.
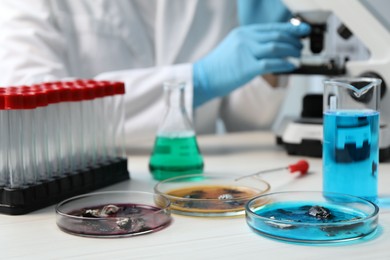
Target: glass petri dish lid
(312,217)
(113,214)
(210,195)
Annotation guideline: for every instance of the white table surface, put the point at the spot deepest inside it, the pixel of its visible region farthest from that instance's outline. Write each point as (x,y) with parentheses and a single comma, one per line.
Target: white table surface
(36,236)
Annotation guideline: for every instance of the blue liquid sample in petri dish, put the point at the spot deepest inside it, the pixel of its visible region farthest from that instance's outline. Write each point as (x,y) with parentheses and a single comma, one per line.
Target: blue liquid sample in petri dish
(312,217)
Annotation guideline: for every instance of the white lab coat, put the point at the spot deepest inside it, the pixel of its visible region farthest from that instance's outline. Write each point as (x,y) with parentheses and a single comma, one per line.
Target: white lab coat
(140,42)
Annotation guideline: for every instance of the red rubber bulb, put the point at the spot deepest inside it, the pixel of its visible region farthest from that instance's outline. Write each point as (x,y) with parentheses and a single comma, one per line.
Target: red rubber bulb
(302,166)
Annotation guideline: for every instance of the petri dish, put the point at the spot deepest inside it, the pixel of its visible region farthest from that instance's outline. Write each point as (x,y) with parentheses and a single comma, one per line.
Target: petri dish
(113,214)
(312,217)
(210,195)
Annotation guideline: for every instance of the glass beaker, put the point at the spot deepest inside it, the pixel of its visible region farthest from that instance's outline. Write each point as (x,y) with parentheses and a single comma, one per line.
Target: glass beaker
(176,150)
(351,136)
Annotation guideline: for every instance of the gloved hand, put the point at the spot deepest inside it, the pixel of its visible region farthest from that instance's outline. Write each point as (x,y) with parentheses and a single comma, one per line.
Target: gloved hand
(247,51)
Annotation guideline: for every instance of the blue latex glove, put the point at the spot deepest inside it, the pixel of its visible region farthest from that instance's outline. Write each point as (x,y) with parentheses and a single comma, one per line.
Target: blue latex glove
(262,11)
(247,51)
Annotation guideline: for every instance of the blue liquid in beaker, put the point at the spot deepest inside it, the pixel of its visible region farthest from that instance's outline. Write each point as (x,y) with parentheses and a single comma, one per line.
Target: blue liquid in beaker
(351,153)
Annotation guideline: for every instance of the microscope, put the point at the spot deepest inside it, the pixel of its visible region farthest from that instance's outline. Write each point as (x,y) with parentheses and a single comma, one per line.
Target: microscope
(368,21)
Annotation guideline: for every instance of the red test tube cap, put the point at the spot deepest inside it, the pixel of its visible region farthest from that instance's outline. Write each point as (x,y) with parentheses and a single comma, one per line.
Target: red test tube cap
(29,100)
(13,100)
(99,89)
(88,92)
(119,88)
(108,88)
(2,100)
(77,94)
(65,93)
(41,98)
(53,95)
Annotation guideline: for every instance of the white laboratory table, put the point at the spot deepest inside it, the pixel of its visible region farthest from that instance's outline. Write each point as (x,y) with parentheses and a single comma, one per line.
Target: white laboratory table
(36,236)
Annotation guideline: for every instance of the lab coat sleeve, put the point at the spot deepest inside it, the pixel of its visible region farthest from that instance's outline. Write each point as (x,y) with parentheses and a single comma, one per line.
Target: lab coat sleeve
(31,49)
(255,106)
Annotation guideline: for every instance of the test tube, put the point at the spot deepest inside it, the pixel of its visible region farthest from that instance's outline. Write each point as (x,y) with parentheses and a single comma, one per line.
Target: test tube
(76,128)
(88,125)
(109,114)
(99,122)
(14,105)
(28,135)
(84,105)
(4,176)
(65,126)
(118,135)
(53,137)
(41,146)
(93,134)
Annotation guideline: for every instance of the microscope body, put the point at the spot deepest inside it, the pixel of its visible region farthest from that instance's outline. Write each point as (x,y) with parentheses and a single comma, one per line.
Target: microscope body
(364,20)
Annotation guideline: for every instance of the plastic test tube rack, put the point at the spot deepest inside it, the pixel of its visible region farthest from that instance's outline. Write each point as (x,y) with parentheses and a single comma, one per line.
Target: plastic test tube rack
(59,139)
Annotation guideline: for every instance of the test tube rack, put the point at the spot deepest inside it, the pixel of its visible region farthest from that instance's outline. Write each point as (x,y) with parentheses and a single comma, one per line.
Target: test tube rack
(58,140)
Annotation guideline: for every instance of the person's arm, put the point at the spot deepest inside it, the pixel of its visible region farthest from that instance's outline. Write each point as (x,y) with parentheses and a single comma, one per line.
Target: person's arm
(255,105)
(262,11)
(247,52)
(31,48)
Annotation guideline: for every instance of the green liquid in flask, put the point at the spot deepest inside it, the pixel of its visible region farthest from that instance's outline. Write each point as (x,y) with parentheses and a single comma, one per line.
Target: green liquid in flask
(175,156)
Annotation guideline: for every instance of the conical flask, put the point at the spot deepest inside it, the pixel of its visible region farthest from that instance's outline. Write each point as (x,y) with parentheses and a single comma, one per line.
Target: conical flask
(176,150)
